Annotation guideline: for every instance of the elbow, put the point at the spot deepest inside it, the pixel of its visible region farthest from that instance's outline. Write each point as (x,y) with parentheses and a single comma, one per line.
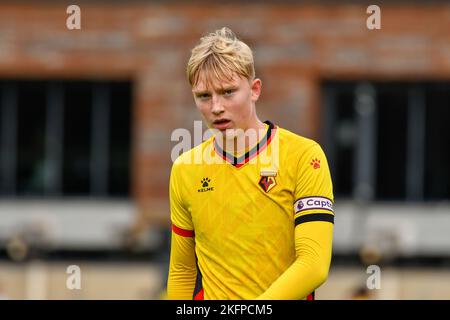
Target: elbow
(322,267)
(322,274)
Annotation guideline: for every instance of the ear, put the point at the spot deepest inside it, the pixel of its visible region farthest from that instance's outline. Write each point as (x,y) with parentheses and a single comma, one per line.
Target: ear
(256,86)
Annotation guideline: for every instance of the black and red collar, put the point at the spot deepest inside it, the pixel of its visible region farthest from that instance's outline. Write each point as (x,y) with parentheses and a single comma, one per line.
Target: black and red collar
(260,146)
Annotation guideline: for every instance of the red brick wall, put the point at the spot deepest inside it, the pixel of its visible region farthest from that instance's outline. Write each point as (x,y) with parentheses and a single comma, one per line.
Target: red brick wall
(295,48)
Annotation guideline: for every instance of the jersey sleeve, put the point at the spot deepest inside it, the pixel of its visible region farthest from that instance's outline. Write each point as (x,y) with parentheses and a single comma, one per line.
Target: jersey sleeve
(179,214)
(310,268)
(314,189)
(182,266)
(314,217)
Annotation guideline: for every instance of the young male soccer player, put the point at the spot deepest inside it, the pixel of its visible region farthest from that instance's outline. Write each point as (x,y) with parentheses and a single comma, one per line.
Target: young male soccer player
(254,218)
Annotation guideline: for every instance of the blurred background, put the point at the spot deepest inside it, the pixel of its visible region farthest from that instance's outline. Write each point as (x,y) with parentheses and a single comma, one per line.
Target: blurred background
(86,117)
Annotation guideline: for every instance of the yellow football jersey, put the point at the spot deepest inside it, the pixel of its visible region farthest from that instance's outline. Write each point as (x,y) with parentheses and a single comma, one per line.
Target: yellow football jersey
(241,212)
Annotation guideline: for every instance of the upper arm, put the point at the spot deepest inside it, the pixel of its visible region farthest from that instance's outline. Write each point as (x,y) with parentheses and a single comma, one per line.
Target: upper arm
(313,209)
(182,266)
(179,213)
(314,189)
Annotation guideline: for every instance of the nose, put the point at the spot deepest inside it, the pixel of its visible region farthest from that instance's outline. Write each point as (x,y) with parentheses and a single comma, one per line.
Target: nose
(217,107)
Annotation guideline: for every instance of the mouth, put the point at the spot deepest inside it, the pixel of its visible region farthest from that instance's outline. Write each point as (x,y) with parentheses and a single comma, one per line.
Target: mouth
(221,124)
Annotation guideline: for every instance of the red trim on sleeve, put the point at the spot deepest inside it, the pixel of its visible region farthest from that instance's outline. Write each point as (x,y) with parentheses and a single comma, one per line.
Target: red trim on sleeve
(200,295)
(182,232)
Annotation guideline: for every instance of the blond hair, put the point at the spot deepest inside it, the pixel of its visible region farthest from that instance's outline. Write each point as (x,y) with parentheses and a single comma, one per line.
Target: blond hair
(218,56)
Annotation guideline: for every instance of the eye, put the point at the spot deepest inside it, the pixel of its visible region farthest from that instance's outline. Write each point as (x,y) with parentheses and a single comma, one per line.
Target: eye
(228,92)
(203,96)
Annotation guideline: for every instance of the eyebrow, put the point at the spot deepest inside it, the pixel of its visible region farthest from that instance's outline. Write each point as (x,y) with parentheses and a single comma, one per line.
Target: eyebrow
(222,89)
(196,91)
(200,92)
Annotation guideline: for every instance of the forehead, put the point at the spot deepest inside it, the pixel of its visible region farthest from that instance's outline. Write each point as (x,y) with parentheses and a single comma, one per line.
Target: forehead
(207,81)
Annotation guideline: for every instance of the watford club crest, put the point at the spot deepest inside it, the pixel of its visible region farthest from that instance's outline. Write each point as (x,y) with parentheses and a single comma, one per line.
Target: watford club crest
(267,183)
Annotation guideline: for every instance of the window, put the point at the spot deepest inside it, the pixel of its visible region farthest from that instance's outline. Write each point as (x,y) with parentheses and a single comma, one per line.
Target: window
(65,138)
(388,140)
(437,142)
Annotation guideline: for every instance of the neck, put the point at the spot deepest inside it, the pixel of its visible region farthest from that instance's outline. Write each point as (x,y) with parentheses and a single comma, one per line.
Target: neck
(242,140)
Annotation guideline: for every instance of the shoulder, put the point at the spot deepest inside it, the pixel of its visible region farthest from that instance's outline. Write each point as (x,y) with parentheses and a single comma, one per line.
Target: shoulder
(296,144)
(300,152)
